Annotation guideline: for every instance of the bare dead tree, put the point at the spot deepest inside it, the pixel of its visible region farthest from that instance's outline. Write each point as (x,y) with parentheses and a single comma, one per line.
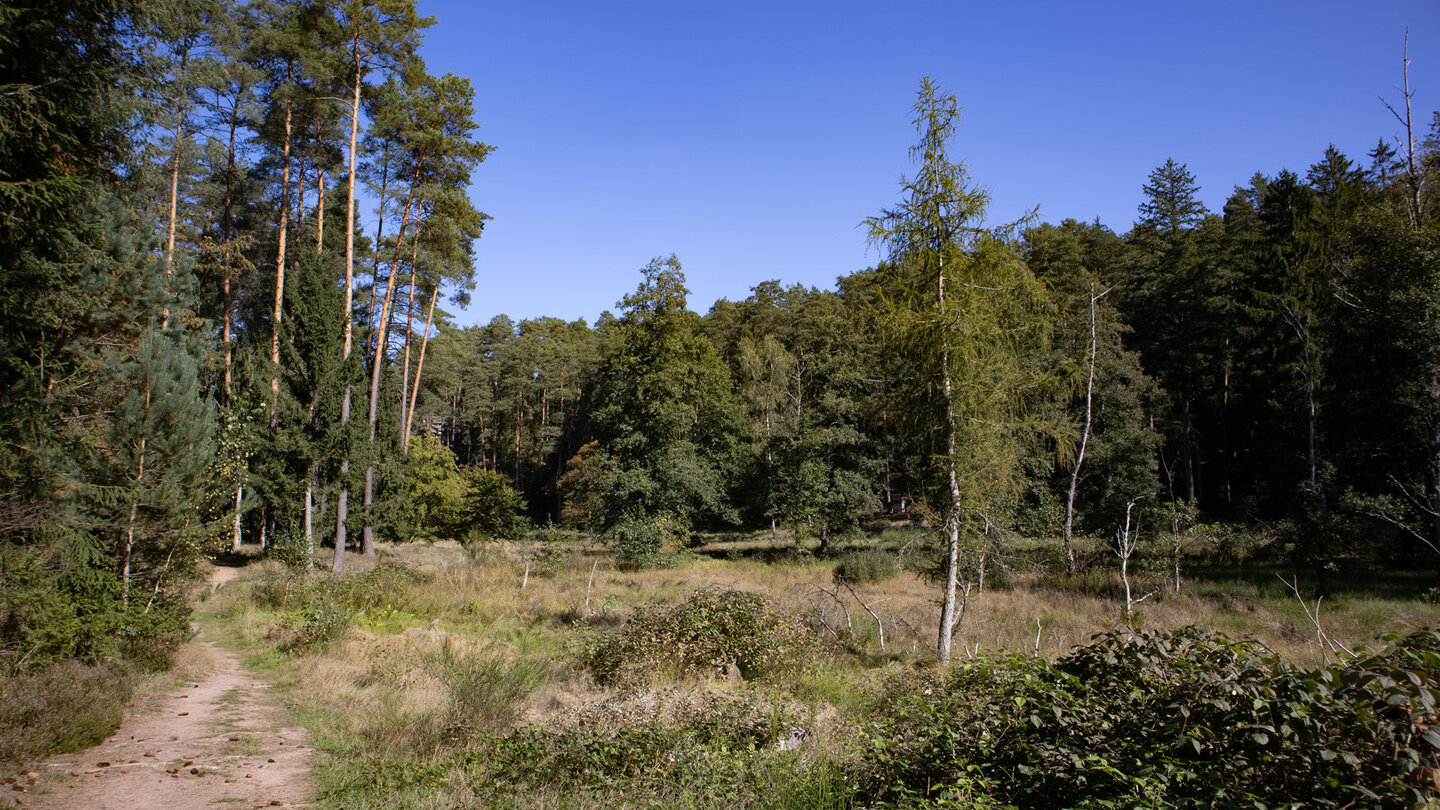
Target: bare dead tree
(1326,644)
(1413,199)
(1084,438)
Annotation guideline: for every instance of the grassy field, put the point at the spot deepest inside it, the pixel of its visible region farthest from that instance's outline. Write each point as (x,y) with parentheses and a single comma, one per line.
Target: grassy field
(541,675)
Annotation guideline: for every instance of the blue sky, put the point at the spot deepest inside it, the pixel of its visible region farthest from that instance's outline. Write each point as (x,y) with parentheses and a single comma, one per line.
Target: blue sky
(752,138)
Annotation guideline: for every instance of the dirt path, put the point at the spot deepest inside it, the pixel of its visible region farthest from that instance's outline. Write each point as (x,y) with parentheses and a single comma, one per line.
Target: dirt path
(222,741)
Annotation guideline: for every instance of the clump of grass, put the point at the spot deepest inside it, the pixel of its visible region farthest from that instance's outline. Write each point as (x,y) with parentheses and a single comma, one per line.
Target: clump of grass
(867,565)
(487,688)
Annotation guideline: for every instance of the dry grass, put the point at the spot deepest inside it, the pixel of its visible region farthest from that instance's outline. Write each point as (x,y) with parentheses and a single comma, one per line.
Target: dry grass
(999,619)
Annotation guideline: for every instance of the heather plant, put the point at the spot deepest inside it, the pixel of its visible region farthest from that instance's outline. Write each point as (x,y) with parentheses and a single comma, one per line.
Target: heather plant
(63,706)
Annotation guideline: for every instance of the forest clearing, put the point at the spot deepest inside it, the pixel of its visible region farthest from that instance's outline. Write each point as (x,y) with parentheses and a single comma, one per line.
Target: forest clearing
(1012,513)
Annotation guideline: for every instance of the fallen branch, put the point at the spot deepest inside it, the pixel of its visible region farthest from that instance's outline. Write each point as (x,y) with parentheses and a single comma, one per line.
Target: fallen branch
(878,626)
(1326,644)
(841,602)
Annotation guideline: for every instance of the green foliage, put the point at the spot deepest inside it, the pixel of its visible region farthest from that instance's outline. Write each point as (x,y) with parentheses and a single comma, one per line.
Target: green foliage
(1182,719)
(437,494)
(551,552)
(666,417)
(968,317)
(867,565)
(705,634)
(644,542)
(713,752)
(492,506)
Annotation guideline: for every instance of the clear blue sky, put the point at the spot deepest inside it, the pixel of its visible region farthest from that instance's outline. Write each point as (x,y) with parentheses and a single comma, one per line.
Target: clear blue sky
(752,138)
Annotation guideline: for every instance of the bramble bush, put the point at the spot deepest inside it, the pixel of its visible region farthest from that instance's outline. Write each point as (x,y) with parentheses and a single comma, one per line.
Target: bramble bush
(1188,718)
(714,751)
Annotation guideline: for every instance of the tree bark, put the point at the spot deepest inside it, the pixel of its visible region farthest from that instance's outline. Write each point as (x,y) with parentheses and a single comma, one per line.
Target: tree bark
(1186,458)
(174,185)
(342,503)
(952,521)
(409,330)
(134,509)
(419,366)
(280,274)
(367,546)
(319,211)
(227,225)
(1084,440)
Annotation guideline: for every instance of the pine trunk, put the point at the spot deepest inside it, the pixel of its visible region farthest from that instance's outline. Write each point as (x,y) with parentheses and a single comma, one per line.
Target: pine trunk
(409,330)
(174,187)
(368,542)
(341,506)
(419,366)
(280,275)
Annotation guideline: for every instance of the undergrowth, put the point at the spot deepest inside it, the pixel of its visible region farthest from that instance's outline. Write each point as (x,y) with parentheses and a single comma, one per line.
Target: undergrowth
(712,631)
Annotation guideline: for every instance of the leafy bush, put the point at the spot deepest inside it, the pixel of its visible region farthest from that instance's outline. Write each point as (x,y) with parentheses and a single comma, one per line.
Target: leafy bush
(492,507)
(64,706)
(869,565)
(1182,719)
(642,541)
(547,560)
(706,633)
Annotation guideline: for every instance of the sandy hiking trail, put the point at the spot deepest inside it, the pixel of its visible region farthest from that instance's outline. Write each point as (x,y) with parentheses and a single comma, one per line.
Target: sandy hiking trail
(222,741)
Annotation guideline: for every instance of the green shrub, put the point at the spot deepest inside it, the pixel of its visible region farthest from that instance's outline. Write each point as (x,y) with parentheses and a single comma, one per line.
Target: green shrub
(714,751)
(708,632)
(642,542)
(492,506)
(1181,719)
(64,706)
(869,565)
(549,559)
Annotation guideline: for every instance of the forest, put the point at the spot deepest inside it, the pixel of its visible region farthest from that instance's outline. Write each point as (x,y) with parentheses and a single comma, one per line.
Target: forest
(231,232)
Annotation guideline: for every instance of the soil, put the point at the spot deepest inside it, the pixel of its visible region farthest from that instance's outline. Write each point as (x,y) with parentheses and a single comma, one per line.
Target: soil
(223,740)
